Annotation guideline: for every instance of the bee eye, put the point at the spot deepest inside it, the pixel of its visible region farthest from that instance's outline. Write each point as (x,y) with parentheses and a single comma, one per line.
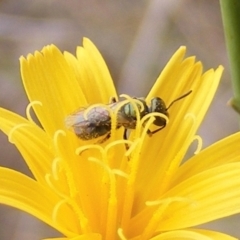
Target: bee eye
(158,105)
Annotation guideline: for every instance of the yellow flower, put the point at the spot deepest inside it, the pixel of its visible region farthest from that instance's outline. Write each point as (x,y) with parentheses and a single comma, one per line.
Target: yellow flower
(120,189)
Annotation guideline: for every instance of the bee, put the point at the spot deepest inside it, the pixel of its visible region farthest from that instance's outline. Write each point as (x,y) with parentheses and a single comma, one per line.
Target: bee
(94,122)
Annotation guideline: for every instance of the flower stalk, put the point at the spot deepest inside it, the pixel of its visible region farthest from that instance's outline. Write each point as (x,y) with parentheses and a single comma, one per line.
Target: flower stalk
(231,21)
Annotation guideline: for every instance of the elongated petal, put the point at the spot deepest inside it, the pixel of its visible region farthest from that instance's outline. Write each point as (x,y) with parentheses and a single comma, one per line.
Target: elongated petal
(169,75)
(31,141)
(209,195)
(191,234)
(204,197)
(222,152)
(183,124)
(94,74)
(20,191)
(48,78)
(181,235)
(100,70)
(214,235)
(90,236)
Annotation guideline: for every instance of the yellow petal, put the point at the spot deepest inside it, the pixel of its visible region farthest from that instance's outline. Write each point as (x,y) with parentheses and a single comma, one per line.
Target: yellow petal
(169,75)
(95,77)
(89,236)
(209,195)
(20,191)
(222,152)
(214,235)
(163,152)
(48,78)
(100,69)
(191,234)
(31,141)
(181,235)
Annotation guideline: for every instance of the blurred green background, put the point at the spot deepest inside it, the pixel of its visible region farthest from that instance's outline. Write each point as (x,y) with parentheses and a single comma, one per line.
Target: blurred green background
(136,39)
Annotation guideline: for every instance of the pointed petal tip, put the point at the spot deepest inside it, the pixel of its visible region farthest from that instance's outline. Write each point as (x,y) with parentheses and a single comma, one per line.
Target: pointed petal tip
(220,68)
(182,49)
(52,49)
(86,41)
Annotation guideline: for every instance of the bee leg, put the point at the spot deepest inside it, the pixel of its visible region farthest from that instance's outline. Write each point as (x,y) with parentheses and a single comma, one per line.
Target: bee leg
(104,139)
(113,100)
(125,138)
(125,134)
(150,133)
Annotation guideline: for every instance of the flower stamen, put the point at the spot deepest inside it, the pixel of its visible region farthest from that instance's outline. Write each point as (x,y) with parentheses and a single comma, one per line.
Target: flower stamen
(81,149)
(154,114)
(56,139)
(112,200)
(173,199)
(118,142)
(132,147)
(192,116)
(29,106)
(51,185)
(70,200)
(158,213)
(55,164)
(121,234)
(135,103)
(109,180)
(199,143)
(107,168)
(135,149)
(56,209)
(10,135)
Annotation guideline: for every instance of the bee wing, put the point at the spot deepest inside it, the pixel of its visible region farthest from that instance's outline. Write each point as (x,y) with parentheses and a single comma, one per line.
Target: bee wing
(76,120)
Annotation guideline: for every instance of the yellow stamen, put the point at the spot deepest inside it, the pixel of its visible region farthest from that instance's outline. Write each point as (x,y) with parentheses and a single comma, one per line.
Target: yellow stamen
(118,142)
(134,163)
(51,185)
(72,196)
(110,224)
(155,219)
(55,165)
(120,173)
(81,149)
(173,199)
(192,116)
(10,135)
(56,209)
(70,179)
(135,103)
(159,214)
(199,144)
(154,114)
(121,234)
(132,147)
(30,105)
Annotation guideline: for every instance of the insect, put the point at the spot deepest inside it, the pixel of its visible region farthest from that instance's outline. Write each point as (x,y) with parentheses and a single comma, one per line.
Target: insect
(98,123)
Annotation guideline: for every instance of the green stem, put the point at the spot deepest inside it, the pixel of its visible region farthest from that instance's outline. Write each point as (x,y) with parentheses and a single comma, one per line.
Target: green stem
(231,22)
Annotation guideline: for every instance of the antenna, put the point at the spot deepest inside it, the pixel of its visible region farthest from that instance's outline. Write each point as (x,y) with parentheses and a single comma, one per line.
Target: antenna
(183,96)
